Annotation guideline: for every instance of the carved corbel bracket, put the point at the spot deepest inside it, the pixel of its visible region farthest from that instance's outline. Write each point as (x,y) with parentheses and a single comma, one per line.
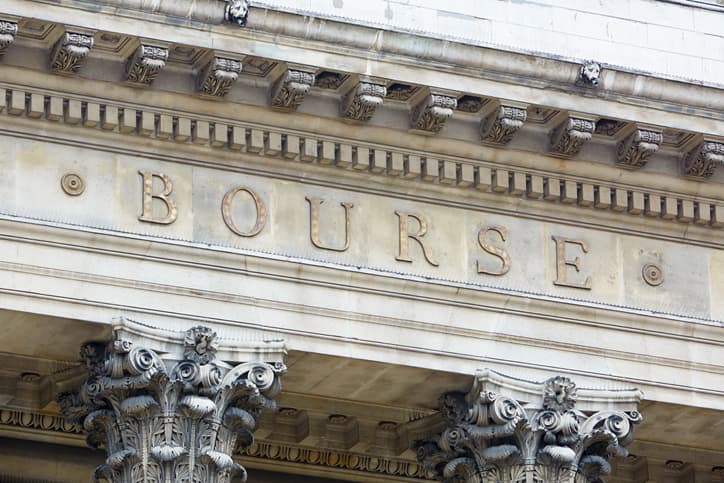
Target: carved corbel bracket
(432,112)
(701,162)
(636,148)
(362,101)
(569,137)
(70,52)
(289,91)
(218,76)
(499,126)
(145,64)
(8,31)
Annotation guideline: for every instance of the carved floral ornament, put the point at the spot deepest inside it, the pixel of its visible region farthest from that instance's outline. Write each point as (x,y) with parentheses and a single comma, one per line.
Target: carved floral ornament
(176,417)
(491,437)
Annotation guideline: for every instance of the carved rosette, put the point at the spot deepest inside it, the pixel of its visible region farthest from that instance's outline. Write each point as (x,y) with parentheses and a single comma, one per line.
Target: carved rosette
(491,438)
(8,30)
(289,91)
(176,418)
(237,11)
(145,64)
(70,52)
(568,138)
(360,104)
(634,151)
(430,115)
(500,125)
(218,76)
(703,160)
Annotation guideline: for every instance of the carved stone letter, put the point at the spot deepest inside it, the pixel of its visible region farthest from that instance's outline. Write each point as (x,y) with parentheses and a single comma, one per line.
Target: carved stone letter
(493,250)
(430,115)
(314,206)
(568,138)
(562,262)
(405,236)
(703,160)
(360,104)
(175,415)
(70,51)
(289,91)
(637,147)
(490,437)
(165,196)
(260,212)
(145,64)
(501,124)
(218,76)
(8,30)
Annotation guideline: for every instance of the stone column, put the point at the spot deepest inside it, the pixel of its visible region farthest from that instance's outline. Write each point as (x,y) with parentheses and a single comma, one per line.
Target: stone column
(174,413)
(507,430)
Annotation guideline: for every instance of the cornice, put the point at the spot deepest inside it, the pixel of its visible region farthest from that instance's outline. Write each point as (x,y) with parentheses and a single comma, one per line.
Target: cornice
(357,158)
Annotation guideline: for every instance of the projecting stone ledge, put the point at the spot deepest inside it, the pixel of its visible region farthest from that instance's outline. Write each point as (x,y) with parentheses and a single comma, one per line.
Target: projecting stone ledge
(532,432)
(174,413)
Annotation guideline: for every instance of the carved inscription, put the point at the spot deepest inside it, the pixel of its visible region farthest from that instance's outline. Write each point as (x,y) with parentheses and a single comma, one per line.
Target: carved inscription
(562,263)
(314,208)
(164,196)
(405,237)
(496,251)
(226,205)
(159,207)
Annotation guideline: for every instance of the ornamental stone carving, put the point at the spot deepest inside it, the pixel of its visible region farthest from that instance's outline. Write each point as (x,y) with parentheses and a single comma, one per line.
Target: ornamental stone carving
(588,73)
(701,161)
(145,64)
(175,415)
(289,91)
(538,434)
(70,52)
(8,30)
(360,104)
(218,76)
(430,114)
(569,137)
(237,11)
(634,151)
(500,125)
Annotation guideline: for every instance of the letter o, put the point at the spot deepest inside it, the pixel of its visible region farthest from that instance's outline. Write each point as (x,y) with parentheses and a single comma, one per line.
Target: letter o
(260,212)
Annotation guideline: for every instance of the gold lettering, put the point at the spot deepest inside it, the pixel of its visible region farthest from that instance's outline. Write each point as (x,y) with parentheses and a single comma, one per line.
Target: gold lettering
(493,250)
(405,235)
(148,196)
(562,263)
(260,212)
(314,208)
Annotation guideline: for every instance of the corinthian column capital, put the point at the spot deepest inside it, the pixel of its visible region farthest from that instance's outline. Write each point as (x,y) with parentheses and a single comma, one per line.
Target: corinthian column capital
(508,430)
(168,408)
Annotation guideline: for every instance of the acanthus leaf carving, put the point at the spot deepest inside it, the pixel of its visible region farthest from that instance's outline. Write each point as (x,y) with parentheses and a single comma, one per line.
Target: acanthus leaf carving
(360,104)
(431,114)
(172,418)
(500,125)
(492,438)
(8,31)
(218,76)
(145,64)
(70,52)
(634,151)
(569,137)
(289,91)
(701,162)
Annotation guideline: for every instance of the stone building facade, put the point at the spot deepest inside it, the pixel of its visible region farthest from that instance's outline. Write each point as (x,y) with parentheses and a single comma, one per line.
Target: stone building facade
(398,240)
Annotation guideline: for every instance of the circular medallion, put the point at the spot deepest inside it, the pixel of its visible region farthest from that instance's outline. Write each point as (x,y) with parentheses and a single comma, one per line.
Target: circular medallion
(652,274)
(72,184)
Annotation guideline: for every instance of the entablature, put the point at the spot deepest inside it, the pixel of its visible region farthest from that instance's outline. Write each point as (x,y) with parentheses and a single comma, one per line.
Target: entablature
(499,98)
